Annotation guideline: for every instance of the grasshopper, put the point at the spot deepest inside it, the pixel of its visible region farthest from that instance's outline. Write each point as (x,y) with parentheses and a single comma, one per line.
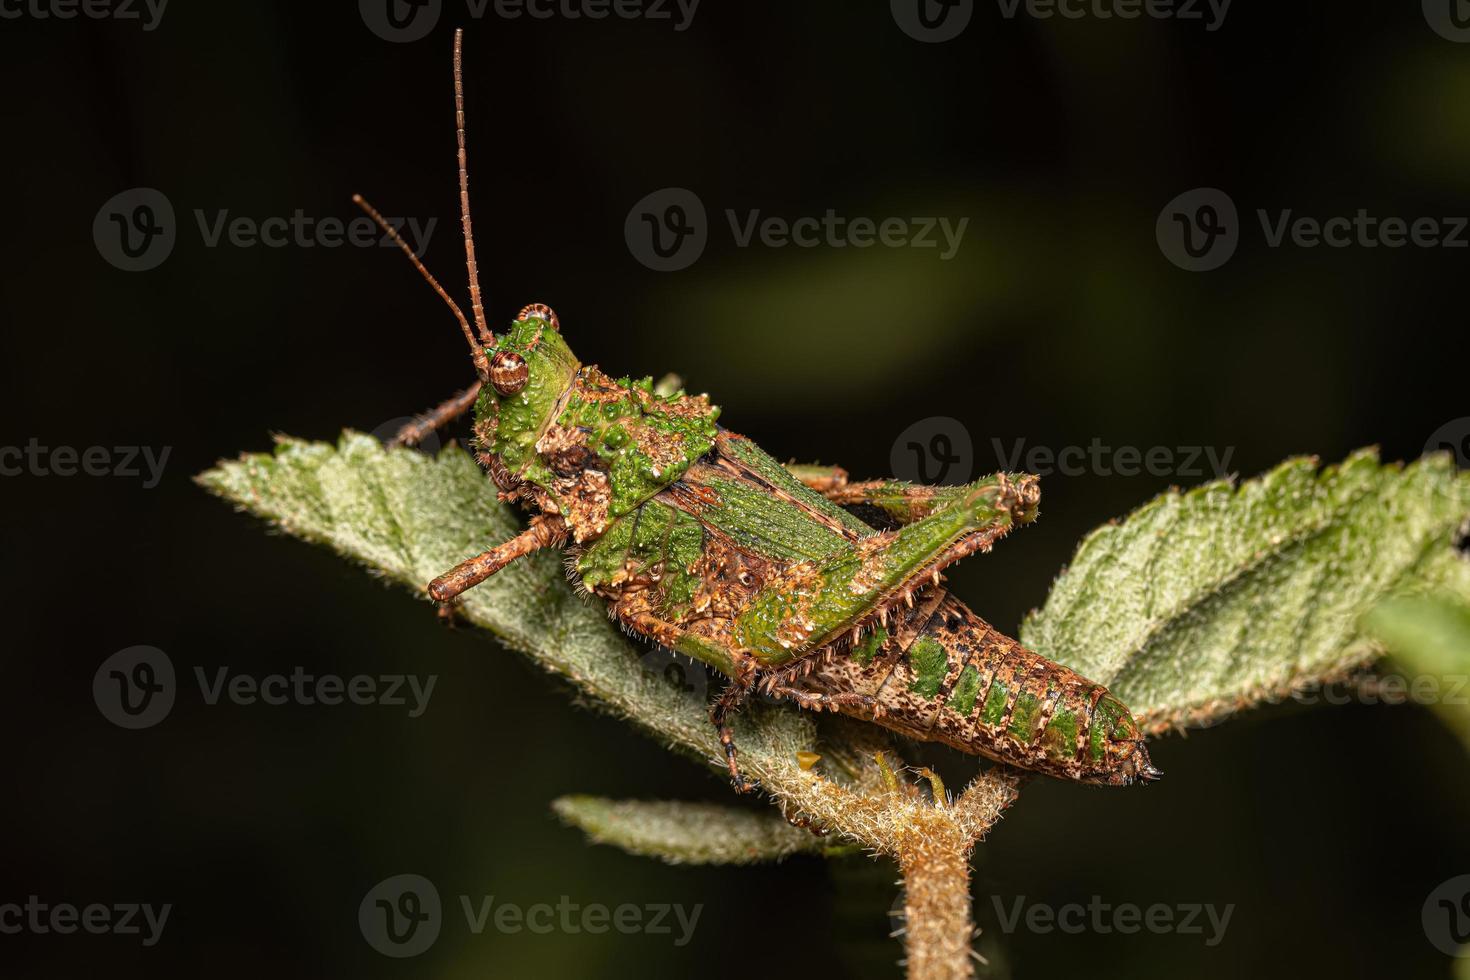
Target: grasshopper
(698,540)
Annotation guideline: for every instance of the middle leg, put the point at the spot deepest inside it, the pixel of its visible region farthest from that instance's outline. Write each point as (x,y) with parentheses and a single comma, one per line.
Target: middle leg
(731,698)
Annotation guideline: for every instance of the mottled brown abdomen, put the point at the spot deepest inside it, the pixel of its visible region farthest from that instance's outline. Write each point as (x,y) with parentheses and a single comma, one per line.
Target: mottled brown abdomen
(938,672)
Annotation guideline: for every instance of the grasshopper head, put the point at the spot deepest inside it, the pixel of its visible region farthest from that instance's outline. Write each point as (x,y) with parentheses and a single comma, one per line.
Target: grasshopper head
(530,367)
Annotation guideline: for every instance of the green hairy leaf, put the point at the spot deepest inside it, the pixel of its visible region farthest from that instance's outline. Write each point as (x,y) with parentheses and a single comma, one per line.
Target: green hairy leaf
(1204,601)
(409,517)
(1430,637)
(1198,603)
(686,833)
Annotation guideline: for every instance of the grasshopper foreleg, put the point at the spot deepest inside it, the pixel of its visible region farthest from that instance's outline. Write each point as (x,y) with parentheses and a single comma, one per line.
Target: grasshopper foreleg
(544,532)
(731,698)
(452,408)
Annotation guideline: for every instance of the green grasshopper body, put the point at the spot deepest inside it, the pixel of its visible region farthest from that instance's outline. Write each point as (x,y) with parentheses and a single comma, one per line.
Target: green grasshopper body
(700,541)
(703,543)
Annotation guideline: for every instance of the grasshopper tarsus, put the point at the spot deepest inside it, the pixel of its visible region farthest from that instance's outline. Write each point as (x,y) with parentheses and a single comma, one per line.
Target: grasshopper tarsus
(745,784)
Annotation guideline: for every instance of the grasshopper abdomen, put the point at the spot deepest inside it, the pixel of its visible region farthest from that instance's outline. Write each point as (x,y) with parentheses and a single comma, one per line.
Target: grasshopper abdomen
(941,673)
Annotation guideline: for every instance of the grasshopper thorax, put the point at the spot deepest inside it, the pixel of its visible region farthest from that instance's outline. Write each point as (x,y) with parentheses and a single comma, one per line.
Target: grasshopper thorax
(571,441)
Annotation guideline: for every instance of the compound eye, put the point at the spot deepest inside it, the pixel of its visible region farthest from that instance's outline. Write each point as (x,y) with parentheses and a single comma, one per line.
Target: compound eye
(540,310)
(508,373)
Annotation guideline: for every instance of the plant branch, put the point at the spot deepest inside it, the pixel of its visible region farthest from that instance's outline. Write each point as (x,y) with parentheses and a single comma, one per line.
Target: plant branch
(1166,608)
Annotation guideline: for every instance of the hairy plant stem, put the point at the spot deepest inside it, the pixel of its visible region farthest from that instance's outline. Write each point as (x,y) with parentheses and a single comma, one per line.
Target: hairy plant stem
(937,922)
(933,852)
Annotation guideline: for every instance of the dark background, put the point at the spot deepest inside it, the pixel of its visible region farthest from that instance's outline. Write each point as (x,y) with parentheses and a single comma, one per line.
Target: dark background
(1058,321)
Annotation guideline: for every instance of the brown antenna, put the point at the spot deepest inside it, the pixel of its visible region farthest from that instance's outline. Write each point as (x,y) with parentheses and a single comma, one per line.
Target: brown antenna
(464,196)
(476,351)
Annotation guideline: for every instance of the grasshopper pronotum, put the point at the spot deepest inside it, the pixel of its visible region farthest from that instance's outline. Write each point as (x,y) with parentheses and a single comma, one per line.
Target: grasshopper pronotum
(701,542)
